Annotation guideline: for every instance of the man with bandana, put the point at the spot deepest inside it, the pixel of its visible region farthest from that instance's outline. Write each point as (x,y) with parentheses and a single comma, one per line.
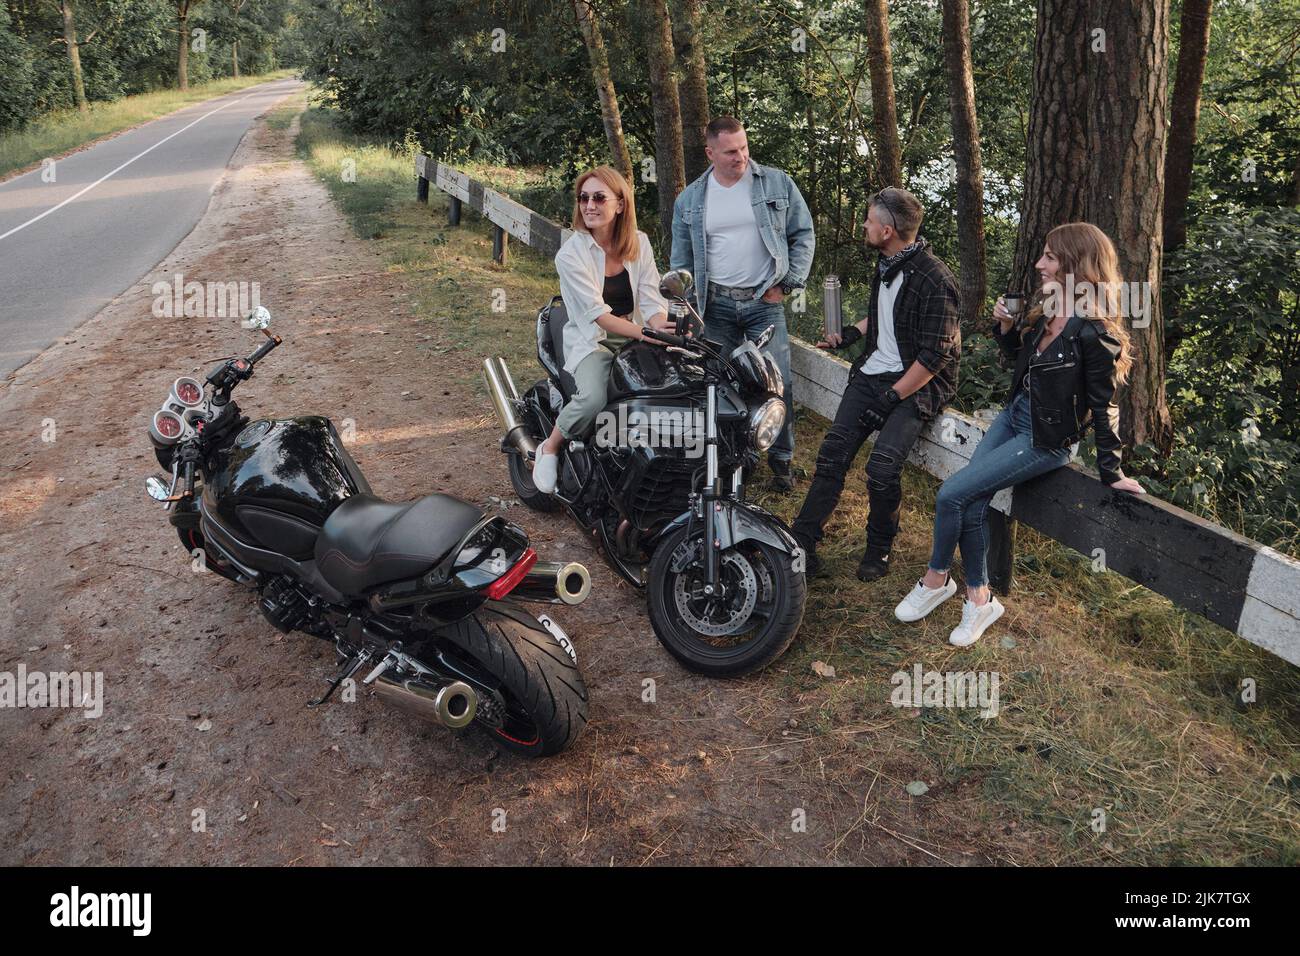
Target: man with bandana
(913,342)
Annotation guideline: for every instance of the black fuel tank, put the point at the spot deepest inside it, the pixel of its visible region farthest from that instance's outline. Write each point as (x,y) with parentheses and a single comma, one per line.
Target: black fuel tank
(275,485)
(641,369)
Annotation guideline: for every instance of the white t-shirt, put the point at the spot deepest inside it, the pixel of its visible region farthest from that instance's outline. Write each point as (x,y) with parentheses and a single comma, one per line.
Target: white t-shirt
(737,256)
(885,358)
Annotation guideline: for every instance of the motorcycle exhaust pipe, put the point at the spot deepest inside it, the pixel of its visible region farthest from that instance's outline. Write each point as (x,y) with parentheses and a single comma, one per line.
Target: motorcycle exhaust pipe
(554,583)
(453,704)
(504,396)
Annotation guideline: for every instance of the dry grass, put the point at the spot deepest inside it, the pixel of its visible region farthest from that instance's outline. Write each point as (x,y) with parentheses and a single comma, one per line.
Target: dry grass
(1110,698)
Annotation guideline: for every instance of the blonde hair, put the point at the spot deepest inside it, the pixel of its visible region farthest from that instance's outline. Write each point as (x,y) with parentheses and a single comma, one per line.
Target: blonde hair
(1088,258)
(626,244)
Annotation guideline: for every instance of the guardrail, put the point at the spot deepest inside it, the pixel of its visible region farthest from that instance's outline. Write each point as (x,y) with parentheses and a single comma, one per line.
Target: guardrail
(1240,584)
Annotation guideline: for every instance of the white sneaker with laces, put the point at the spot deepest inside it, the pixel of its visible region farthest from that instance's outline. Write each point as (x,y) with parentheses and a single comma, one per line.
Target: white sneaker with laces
(975,620)
(923,600)
(546,472)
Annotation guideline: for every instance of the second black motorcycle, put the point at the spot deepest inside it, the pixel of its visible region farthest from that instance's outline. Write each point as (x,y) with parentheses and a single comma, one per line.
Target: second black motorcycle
(660,487)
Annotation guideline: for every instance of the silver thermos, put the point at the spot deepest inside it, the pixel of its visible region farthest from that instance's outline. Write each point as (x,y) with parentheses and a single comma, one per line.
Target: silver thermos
(833,306)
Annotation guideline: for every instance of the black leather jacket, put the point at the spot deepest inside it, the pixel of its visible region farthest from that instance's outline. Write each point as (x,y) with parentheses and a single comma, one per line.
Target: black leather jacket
(1071,387)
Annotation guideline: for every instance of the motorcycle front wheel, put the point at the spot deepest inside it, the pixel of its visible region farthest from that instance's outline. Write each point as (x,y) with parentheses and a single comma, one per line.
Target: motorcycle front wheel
(750,625)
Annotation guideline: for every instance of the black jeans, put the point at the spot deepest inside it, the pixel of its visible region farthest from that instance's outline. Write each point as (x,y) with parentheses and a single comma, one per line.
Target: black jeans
(884,468)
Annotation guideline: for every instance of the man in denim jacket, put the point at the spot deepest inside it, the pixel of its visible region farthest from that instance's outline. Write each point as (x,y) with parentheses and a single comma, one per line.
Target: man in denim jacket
(746,234)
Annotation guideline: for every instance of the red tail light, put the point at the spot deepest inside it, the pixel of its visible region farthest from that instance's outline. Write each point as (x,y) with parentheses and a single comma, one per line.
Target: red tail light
(508,581)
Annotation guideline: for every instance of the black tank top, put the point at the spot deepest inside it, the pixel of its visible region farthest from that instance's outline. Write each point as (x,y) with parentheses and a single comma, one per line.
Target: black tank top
(618,294)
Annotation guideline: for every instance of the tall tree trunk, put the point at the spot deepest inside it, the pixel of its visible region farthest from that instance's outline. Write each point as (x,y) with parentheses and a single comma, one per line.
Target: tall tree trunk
(694,86)
(609,112)
(74,55)
(234,58)
(1184,109)
(670,171)
(183,47)
(1129,89)
(884,116)
(1056,160)
(1097,152)
(966,152)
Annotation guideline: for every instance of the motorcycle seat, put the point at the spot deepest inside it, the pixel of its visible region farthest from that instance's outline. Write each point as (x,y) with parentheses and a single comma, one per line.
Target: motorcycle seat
(551,321)
(367,541)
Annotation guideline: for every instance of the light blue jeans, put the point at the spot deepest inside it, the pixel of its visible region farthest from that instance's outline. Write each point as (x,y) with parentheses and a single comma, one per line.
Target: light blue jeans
(729,323)
(1006,456)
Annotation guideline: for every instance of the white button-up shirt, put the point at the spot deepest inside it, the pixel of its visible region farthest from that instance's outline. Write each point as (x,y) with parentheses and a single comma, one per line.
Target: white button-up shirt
(581,266)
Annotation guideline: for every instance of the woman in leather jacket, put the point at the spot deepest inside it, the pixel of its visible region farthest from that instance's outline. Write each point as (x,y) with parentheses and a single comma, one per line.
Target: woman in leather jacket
(1070,356)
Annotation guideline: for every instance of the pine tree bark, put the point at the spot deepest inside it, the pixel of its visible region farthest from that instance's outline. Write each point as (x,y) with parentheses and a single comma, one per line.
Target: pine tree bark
(694,90)
(966,152)
(1184,111)
(74,55)
(884,115)
(610,116)
(670,171)
(1056,160)
(1097,152)
(1128,84)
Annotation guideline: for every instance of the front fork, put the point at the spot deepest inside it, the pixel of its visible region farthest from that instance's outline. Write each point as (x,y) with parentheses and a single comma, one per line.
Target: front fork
(712,495)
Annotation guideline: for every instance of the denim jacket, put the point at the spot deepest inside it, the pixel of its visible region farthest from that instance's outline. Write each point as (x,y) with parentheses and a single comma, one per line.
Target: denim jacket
(783,221)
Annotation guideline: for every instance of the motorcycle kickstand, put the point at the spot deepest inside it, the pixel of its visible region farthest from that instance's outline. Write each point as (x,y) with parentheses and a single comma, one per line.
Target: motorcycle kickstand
(350,667)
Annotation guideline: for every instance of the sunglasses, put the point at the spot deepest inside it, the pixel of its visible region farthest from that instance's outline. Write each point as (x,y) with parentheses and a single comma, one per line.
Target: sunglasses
(598,198)
(883,201)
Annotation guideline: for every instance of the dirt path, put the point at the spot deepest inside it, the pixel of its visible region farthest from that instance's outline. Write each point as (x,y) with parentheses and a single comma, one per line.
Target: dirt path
(204,700)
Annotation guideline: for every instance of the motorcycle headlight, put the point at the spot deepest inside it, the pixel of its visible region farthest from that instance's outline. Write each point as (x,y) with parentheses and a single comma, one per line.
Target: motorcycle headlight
(765,423)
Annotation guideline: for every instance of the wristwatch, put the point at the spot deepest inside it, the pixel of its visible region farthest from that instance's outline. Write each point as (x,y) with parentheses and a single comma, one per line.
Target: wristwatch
(786,288)
(891,396)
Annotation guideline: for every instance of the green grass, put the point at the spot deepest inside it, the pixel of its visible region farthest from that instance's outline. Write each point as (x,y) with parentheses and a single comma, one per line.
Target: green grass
(57,133)
(1110,697)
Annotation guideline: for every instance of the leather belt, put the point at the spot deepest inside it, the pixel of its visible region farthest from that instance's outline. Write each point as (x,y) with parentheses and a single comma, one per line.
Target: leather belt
(738,293)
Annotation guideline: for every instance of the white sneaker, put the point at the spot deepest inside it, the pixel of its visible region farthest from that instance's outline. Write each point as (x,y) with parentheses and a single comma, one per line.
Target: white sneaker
(546,472)
(975,620)
(923,600)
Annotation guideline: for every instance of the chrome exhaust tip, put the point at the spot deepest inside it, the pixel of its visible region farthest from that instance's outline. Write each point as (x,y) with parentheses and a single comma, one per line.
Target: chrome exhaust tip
(555,583)
(452,705)
(501,388)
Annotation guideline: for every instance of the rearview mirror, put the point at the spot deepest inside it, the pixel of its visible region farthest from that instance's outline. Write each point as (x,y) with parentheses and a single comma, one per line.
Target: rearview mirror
(157,490)
(676,284)
(259,318)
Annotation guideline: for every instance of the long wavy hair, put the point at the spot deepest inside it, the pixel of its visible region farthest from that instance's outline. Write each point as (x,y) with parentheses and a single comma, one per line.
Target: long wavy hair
(1086,254)
(626,245)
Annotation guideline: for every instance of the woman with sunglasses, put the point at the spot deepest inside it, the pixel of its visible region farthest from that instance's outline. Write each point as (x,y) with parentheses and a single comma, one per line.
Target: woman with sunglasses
(1070,357)
(610,287)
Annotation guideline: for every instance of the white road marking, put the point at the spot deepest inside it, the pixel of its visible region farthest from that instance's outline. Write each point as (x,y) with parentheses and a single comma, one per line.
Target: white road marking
(109,175)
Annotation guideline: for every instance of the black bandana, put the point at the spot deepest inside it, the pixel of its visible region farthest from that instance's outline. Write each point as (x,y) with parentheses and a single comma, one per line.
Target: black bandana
(889,265)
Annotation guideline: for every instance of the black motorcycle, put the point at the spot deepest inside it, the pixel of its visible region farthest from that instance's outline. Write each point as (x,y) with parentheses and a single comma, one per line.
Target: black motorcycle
(659,484)
(422,593)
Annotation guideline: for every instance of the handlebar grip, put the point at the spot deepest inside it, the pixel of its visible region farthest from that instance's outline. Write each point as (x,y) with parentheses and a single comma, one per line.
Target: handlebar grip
(665,337)
(189,479)
(263,350)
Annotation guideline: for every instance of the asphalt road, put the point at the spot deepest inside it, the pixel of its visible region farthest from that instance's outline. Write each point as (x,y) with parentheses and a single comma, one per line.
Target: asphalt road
(112,213)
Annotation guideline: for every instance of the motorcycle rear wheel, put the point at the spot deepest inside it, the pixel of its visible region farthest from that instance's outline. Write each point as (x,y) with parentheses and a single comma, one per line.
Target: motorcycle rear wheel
(521,479)
(543,693)
(758,623)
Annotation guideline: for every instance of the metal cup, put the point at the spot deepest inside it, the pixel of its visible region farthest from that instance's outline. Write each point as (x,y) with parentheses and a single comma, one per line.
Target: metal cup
(833,307)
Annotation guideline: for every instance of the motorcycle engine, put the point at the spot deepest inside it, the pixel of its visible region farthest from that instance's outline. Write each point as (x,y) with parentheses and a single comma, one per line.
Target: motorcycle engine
(283,605)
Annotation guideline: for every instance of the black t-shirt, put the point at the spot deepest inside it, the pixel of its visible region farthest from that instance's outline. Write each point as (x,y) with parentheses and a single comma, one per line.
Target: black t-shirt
(618,294)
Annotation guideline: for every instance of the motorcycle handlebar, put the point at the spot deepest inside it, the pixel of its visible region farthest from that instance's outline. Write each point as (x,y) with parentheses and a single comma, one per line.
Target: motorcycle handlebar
(665,337)
(266,347)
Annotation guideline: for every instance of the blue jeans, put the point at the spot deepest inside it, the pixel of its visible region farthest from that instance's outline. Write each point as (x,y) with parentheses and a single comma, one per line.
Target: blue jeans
(1005,457)
(726,321)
